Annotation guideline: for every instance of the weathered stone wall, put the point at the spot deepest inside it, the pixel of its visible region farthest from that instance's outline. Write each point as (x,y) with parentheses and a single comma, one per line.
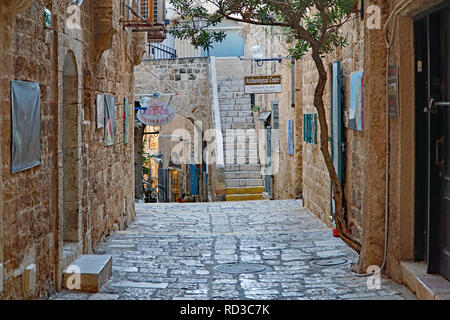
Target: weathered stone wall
(185,84)
(365,151)
(401,143)
(32,200)
(186,78)
(288,168)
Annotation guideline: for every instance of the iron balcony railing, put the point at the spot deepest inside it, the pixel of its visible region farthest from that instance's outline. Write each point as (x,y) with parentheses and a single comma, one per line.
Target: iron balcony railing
(158,51)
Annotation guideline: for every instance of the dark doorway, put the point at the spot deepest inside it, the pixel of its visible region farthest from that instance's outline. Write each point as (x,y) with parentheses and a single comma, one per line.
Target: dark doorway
(432,119)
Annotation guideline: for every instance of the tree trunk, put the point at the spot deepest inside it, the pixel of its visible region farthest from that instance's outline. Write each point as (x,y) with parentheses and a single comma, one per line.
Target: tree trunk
(339,219)
(138,173)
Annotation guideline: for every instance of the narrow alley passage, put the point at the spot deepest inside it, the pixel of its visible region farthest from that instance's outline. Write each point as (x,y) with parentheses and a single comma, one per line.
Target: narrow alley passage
(173,250)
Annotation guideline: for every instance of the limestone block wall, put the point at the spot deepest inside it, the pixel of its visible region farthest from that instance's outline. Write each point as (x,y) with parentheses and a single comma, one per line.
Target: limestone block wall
(288,168)
(186,79)
(32,201)
(185,84)
(317,190)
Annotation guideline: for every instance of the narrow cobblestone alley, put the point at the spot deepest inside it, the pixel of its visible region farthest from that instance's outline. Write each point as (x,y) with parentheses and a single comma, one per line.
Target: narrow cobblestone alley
(171,251)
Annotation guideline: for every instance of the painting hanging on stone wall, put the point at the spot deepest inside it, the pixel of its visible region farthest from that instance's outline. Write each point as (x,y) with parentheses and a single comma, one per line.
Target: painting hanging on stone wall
(110,120)
(126,112)
(26,125)
(100,111)
(356,113)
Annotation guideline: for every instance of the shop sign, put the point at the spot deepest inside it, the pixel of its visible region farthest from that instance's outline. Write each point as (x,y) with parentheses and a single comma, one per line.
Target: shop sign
(263,84)
(157,114)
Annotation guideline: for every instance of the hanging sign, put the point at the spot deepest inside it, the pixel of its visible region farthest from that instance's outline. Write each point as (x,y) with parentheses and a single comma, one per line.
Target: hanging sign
(263,84)
(157,114)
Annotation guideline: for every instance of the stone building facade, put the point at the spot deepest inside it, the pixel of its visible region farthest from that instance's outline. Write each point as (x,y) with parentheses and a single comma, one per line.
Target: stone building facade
(287,174)
(384,164)
(82,189)
(183,84)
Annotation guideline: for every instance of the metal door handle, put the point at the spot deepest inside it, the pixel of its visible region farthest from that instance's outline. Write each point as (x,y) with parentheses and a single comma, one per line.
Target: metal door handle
(442,104)
(433,106)
(438,142)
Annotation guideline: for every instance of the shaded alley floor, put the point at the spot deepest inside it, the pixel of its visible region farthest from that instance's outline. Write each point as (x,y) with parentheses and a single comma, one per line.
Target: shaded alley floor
(171,252)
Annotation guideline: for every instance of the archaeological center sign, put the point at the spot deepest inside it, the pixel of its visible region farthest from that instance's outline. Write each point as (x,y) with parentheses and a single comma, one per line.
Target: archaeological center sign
(156,114)
(263,84)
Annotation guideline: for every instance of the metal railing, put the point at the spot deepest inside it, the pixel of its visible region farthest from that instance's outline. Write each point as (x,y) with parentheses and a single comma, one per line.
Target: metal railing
(158,51)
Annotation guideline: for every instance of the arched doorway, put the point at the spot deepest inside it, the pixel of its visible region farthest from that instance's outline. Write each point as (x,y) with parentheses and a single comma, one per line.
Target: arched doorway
(71,152)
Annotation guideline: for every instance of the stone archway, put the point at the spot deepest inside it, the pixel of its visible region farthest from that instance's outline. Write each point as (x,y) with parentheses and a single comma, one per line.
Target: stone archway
(71,151)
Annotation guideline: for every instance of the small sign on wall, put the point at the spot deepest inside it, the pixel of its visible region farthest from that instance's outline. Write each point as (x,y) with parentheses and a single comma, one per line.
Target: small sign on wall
(157,114)
(263,84)
(392,89)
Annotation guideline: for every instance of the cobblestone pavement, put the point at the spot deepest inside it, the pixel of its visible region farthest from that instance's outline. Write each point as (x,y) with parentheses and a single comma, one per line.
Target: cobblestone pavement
(171,251)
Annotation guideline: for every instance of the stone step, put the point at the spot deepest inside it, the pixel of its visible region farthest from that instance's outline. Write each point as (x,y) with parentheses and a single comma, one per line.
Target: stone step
(88,273)
(235,101)
(243,126)
(248,190)
(243,182)
(236,119)
(243,175)
(250,154)
(233,113)
(235,107)
(425,285)
(238,139)
(241,160)
(233,95)
(242,167)
(231,145)
(243,197)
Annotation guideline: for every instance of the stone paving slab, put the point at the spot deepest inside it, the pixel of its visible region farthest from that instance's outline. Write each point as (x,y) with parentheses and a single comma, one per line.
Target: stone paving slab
(171,251)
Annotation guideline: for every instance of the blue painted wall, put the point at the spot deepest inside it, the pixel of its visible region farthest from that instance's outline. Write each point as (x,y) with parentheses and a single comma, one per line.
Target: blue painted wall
(231,46)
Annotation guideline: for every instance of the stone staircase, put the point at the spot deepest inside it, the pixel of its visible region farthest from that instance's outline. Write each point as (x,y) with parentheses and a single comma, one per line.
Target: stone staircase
(243,179)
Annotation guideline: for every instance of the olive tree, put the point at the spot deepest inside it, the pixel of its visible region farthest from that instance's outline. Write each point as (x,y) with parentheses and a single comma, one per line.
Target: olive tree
(312,26)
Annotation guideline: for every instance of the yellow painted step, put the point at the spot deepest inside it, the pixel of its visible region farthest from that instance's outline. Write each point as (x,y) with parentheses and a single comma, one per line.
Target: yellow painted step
(248,190)
(243,197)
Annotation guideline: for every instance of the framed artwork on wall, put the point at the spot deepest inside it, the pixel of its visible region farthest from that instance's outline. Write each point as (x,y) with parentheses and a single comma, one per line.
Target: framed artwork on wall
(291,137)
(26,125)
(110,120)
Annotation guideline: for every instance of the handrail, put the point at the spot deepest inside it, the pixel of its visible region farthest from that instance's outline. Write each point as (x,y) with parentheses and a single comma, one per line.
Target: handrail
(170,53)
